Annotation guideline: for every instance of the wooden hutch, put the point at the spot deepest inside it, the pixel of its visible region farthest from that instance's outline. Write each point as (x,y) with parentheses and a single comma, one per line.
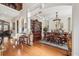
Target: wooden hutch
(36,28)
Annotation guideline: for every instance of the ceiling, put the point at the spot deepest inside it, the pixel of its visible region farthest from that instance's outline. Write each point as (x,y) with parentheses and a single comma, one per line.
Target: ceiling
(48,10)
(33,6)
(7,13)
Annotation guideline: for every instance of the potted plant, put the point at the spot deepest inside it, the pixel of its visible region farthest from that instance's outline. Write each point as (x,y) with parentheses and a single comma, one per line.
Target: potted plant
(45,30)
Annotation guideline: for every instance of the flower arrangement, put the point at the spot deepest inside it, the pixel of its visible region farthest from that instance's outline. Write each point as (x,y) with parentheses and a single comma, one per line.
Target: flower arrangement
(45,29)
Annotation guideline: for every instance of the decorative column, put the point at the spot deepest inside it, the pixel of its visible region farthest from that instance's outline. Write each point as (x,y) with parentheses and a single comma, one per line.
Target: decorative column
(43,6)
(69,24)
(25,15)
(29,23)
(30,41)
(42,29)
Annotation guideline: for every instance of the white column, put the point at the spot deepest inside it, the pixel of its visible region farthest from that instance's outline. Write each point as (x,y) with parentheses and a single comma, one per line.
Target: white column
(11,25)
(75,17)
(43,25)
(69,24)
(25,17)
(15,26)
(29,23)
(42,31)
(30,41)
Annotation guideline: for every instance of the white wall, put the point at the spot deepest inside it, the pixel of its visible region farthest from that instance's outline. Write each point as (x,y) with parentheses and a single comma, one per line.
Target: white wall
(63,11)
(50,13)
(64,20)
(75,36)
(23,15)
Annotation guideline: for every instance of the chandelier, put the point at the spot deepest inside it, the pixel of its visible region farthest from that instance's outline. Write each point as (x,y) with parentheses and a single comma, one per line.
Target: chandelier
(56,19)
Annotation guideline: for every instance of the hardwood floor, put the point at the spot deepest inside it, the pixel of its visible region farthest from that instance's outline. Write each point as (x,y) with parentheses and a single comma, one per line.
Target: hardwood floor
(37,49)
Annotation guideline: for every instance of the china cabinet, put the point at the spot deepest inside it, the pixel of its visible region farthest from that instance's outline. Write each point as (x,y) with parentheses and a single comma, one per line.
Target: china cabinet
(36,28)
